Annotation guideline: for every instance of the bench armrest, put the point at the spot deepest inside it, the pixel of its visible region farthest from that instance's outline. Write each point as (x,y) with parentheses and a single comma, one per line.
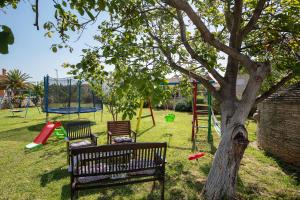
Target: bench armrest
(134,135)
(159,159)
(94,138)
(109,134)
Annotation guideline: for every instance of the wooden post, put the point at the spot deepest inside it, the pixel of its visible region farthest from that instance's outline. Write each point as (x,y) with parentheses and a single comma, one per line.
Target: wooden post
(140,115)
(151,111)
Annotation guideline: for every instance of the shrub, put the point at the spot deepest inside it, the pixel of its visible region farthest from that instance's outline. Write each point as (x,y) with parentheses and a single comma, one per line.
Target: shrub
(183,106)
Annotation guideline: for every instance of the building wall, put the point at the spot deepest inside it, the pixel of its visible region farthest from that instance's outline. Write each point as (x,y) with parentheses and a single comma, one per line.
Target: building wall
(2,76)
(278,130)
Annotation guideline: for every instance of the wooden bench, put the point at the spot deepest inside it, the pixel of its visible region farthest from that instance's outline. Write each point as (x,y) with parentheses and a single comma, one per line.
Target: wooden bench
(76,133)
(118,164)
(119,128)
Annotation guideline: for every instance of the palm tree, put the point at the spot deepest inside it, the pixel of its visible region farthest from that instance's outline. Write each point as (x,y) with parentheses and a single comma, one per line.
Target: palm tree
(16,81)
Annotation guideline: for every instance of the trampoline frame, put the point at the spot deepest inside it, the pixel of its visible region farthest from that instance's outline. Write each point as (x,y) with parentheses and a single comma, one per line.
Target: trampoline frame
(69,110)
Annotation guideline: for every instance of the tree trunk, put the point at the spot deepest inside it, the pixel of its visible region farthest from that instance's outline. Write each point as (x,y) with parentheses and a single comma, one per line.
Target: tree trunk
(221,181)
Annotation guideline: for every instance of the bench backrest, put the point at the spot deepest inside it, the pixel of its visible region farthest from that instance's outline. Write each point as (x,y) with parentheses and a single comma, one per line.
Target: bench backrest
(119,127)
(79,130)
(118,158)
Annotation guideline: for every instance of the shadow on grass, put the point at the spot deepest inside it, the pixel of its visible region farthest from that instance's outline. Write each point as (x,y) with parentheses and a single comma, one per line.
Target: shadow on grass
(20,134)
(212,146)
(210,143)
(101,133)
(179,148)
(144,131)
(168,136)
(191,185)
(289,169)
(54,175)
(251,191)
(104,193)
(14,116)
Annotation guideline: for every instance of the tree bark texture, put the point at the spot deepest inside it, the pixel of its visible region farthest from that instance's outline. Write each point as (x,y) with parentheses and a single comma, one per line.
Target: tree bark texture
(221,181)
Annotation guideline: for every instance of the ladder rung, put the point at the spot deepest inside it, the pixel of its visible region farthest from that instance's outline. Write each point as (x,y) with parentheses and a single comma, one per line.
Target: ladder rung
(201,126)
(145,116)
(202,112)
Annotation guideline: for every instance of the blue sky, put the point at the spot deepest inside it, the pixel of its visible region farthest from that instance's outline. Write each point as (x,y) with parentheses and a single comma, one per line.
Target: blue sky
(31,51)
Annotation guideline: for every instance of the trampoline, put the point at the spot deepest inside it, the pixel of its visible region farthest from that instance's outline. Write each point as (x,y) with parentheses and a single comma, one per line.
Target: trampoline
(69,96)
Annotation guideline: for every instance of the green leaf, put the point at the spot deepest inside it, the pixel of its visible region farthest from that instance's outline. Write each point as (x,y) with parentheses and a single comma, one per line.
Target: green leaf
(6,38)
(90,14)
(102,4)
(81,11)
(54,49)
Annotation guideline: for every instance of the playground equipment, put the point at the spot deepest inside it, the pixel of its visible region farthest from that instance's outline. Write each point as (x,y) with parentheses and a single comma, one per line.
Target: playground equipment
(215,122)
(200,109)
(140,117)
(69,96)
(203,109)
(17,97)
(60,132)
(196,156)
(42,138)
(170,117)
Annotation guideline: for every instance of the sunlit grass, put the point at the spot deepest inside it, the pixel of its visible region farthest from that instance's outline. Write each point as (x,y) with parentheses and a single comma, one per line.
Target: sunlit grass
(42,174)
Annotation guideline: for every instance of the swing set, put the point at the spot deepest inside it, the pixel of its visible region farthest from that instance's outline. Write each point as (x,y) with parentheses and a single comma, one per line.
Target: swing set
(17,98)
(140,116)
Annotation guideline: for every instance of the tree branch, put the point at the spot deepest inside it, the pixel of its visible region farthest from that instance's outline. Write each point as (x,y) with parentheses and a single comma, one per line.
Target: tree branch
(193,54)
(168,55)
(253,20)
(235,43)
(208,36)
(274,88)
(228,15)
(37,14)
(249,95)
(236,25)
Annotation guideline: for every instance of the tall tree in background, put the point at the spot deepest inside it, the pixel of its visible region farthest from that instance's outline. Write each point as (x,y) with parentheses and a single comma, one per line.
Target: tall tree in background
(16,80)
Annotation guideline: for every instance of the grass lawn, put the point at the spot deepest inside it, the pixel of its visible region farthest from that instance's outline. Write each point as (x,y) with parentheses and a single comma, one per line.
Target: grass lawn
(42,174)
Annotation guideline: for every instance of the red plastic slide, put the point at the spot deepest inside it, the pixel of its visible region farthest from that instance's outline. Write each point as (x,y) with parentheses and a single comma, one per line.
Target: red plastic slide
(46,132)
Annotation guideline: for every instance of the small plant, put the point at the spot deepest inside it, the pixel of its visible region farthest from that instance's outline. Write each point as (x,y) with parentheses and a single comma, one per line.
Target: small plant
(184,106)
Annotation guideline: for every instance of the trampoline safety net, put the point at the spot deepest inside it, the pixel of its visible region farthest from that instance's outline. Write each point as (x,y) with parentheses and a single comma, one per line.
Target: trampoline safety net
(67,96)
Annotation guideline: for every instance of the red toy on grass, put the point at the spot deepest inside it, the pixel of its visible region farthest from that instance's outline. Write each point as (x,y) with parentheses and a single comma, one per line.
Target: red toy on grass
(196,156)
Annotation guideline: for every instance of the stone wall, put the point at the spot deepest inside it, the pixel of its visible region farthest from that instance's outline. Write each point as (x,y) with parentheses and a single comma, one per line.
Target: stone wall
(278,130)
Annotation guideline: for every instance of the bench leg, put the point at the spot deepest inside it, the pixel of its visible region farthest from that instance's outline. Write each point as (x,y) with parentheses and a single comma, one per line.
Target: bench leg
(68,153)
(73,193)
(162,189)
